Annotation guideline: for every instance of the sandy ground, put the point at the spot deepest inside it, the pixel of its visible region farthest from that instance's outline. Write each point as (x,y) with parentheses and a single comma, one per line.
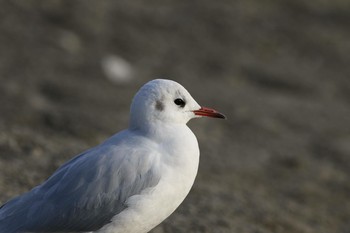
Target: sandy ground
(279,70)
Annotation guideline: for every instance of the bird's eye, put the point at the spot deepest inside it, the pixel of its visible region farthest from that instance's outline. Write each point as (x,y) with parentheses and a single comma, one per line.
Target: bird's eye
(180,102)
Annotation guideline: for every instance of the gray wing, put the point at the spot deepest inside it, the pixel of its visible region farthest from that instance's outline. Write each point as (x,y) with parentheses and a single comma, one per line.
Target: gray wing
(85,193)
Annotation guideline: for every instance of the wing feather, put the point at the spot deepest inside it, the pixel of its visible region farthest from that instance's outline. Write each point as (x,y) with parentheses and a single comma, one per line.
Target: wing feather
(86,192)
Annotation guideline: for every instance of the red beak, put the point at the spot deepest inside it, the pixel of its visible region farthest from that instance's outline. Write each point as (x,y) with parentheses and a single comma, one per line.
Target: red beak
(208,112)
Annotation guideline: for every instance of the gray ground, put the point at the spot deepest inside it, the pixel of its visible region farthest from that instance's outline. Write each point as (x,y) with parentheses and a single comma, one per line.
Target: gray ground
(279,70)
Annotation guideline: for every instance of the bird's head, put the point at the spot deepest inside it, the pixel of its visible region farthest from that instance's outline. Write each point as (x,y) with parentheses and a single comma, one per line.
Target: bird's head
(166,101)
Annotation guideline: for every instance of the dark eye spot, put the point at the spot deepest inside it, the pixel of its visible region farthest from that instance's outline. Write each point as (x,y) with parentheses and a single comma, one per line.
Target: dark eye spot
(159,106)
(180,102)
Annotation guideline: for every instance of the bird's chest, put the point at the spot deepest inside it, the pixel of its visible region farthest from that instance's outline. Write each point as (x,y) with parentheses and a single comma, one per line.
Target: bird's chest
(178,167)
(155,204)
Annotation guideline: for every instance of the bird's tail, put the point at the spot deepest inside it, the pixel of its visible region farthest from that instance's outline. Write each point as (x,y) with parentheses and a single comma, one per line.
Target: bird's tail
(10,228)
(12,216)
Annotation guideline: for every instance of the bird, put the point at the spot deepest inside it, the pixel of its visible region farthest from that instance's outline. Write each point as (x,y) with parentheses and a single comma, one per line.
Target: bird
(129,183)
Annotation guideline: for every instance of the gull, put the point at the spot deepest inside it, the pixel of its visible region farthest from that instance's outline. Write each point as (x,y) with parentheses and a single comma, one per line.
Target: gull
(129,183)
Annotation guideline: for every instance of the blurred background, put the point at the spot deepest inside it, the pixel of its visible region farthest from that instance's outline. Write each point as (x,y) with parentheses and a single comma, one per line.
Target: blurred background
(279,70)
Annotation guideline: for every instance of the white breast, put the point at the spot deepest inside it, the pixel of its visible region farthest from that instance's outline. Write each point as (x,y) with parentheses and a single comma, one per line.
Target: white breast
(153,205)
